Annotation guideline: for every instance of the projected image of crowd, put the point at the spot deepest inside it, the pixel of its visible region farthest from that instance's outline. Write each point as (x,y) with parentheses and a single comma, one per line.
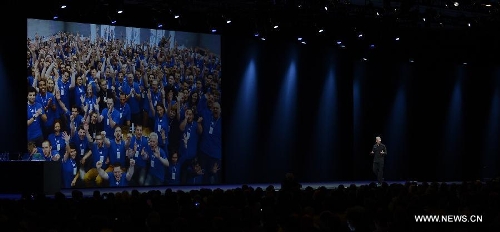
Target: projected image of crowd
(116,112)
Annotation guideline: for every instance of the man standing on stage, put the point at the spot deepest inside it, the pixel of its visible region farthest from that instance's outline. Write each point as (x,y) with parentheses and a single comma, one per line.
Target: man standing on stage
(379,151)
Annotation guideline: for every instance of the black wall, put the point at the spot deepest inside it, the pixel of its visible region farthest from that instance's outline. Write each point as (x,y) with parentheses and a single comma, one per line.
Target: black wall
(434,114)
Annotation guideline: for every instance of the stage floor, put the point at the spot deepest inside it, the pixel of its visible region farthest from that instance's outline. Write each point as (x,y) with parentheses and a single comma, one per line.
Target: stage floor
(88,192)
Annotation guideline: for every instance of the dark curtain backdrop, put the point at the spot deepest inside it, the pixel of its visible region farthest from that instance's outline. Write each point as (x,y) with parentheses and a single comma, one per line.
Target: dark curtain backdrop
(13,91)
(439,120)
(314,110)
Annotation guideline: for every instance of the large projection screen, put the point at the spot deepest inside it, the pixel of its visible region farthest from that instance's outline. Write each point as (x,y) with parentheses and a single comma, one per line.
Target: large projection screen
(124,106)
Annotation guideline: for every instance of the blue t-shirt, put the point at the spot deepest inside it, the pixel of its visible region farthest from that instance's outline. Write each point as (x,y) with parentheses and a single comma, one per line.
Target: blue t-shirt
(69,171)
(188,148)
(114,183)
(162,123)
(133,102)
(174,174)
(156,168)
(117,152)
(81,144)
(64,91)
(77,93)
(35,128)
(115,115)
(97,152)
(125,113)
(141,143)
(51,114)
(57,142)
(211,138)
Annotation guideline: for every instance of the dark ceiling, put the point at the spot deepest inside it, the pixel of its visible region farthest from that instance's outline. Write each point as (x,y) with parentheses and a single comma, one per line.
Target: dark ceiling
(471,24)
(296,15)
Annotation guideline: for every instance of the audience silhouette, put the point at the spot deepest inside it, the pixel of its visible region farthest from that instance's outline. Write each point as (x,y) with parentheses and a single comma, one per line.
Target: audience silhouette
(288,209)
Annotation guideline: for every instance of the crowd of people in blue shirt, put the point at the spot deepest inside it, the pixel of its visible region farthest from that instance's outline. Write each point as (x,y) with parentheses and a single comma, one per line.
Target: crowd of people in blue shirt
(116,113)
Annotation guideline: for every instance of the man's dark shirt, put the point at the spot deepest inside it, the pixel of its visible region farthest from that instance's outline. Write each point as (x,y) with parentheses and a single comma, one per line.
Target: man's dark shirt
(377,148)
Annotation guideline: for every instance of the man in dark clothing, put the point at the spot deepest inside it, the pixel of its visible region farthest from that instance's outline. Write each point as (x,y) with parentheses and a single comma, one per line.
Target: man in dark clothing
(379,151)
